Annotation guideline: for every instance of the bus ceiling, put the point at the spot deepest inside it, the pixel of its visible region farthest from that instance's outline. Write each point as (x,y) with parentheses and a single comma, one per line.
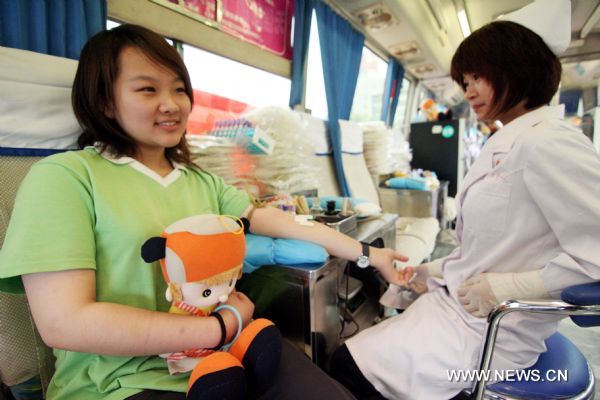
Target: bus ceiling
(424,34)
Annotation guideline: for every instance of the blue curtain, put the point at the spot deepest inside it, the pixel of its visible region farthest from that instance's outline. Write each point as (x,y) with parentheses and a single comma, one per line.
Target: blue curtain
(56,27)
(302,21)
(393,86)
(341,51)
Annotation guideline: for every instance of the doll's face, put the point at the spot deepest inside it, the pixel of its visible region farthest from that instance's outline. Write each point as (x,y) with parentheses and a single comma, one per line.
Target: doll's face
(200,295)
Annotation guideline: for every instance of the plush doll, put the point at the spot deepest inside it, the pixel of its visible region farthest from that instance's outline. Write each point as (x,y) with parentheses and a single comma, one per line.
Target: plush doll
(201,258)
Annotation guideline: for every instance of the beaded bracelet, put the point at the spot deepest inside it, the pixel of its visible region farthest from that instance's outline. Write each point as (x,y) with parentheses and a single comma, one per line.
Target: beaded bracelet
(239,319)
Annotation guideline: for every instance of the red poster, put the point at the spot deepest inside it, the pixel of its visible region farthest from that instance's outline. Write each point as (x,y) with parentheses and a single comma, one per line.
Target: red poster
(264,23)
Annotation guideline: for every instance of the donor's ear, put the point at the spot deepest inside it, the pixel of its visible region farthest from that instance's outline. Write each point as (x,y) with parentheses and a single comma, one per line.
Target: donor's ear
(109,111)
(154,249)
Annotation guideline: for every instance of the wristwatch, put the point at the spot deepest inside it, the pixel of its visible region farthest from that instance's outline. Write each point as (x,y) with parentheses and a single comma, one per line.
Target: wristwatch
(363,260)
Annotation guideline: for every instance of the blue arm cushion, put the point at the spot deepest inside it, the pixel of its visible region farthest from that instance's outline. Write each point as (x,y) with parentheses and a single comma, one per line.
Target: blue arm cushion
(586,294)
(407,183)
(263,250)
(561,355)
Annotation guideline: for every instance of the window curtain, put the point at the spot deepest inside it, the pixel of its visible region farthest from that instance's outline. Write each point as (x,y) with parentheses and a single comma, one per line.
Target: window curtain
(391,93)
(56,27)
(341,51)
(302,21)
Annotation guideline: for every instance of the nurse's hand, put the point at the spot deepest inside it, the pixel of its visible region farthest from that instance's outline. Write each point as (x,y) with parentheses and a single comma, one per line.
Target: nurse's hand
(476,296)
(481,293)
(415,278)
(383,261)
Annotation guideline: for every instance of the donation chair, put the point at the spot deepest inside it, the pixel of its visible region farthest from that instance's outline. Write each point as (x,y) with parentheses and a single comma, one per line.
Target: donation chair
(26,363)
(582,304)
(36,120)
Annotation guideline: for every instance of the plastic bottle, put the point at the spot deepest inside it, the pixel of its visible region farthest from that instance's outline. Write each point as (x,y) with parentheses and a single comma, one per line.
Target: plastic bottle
(316,208)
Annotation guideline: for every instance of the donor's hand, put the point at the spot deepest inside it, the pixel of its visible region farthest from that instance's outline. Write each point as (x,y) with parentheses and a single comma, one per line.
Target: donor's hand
(415,278)
(383,261)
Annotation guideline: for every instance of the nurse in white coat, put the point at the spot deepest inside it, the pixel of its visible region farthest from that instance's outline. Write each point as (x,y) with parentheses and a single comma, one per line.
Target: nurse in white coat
(528,223)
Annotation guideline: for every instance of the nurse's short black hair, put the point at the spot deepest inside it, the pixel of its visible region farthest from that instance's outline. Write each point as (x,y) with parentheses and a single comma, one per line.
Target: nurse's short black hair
(514,60)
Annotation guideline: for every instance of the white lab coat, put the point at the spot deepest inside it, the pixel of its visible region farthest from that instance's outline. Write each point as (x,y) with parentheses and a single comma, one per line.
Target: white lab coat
(530,201)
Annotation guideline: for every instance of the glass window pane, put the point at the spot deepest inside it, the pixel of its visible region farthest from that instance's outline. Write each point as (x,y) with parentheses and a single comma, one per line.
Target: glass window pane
(316,100)
(368,97)
(111,24)
(231,79)
(401,118)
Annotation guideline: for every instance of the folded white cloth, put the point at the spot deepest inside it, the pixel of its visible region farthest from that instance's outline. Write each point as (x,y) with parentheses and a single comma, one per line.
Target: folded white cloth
(449,209)
(351,135)
(359,180)
(415,238)
(35,106)
(315,130)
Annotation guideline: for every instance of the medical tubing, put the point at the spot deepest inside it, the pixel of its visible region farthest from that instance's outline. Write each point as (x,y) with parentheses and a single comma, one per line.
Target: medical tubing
(239,319)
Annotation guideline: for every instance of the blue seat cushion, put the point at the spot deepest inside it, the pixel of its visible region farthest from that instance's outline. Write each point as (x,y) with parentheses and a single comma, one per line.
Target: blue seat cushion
(414,183)
(562,355)
(587,294)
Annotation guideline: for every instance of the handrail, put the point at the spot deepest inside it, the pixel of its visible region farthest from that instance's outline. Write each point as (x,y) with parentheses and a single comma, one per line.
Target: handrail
(506,307)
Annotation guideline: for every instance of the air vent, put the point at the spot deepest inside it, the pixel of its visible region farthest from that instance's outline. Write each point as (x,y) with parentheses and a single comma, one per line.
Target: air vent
(423,69)
(376,17)
(406,51)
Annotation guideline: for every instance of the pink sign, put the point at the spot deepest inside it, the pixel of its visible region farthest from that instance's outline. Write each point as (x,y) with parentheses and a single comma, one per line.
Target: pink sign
(264,23)
(207,9)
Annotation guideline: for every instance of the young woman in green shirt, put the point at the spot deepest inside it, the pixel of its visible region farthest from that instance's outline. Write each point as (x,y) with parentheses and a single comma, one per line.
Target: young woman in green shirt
(80,218)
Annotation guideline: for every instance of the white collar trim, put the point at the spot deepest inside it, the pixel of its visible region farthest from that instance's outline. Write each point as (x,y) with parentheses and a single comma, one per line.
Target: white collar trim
(505,137)
(135,164)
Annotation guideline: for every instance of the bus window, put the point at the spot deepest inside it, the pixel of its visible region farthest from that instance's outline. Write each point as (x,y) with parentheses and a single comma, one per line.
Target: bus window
(401,119)
(368,97)
(316,101)
(231,79)
(111,24)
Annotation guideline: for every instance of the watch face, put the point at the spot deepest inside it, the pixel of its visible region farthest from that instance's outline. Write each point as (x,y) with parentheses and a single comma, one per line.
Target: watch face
(362,261)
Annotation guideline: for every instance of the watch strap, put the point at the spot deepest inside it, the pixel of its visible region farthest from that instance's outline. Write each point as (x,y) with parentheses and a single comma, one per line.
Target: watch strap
(366,249)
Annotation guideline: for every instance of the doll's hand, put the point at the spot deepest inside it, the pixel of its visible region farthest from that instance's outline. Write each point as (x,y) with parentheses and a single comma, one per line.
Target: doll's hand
(245,307)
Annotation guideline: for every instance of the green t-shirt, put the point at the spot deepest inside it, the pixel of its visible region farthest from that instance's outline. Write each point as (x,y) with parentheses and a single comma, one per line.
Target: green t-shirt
(81,210)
